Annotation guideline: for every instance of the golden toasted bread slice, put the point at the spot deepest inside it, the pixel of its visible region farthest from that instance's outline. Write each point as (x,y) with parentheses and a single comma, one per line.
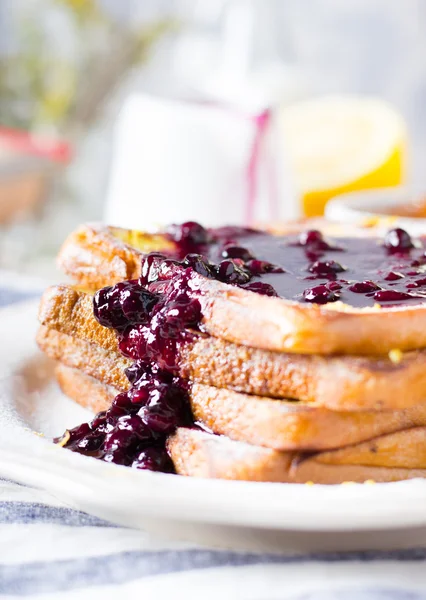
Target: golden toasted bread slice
(85,390)
(97,256)
(406,449)
(105,365)
(285,425)
(335,382)
(199,454)
(278,424)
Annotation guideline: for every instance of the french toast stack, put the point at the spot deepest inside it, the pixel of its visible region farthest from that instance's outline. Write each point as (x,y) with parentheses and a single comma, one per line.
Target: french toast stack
(292,384)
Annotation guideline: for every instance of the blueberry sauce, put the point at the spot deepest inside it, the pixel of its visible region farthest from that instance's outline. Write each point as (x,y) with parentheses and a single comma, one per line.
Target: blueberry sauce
(153,316)
(290,263)
(150,327)
(294,265)
(158,313)
(191,237)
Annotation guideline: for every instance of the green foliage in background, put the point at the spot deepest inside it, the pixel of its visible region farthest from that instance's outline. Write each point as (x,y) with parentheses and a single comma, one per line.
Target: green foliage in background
(42,88)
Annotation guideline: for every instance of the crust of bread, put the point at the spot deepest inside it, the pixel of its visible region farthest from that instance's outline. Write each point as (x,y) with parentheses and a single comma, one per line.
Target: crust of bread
(335,382)
(277,424)
(95,256)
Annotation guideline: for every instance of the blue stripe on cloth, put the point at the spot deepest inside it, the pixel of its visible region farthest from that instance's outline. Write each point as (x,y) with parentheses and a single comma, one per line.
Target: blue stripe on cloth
(10,296)
(29,512)
(43,577)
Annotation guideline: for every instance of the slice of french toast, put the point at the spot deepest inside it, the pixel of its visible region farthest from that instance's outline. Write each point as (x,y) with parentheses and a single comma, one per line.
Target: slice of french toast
(108,366)
(406,449)
(197,453)
(278,424)
(334,382)
(96,256)
(87,391)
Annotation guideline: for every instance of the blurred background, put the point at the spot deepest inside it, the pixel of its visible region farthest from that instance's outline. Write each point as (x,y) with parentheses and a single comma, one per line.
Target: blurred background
(143,113)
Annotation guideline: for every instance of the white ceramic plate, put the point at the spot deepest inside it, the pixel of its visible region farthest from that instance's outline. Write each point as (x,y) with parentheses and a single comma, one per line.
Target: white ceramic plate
(233,514)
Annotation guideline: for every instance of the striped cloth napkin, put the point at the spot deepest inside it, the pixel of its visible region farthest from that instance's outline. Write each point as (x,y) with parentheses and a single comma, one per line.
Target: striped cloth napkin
(49,551)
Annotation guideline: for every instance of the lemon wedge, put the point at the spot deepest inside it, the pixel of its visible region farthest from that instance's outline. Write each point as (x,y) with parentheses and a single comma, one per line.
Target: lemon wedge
(338,144)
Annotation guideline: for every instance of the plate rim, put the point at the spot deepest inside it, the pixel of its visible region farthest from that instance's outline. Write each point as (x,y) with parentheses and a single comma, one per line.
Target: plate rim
(29,459)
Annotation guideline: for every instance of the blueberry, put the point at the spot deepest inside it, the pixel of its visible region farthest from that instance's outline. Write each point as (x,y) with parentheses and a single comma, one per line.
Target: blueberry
(398,240)
(259,267)
(89,444)
(153,459)
(98,420)
(168,269)
(328,267)
(264,289)
(391,296)
(139,396)
(189,233)
(184,313)
(120,439)
(320,294)
(104,422)
(237,252)
(313,240)
(416,284)
(133,424)
(131,341)
(311,237)
(137,303)
(118,456)
(229,272)
(107,307)
(120,405)
(75,434)
(150,267)
(364,287)
(393,276)
(199,264)
(333,286)
(165,410)
(123,304)
(134,372)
